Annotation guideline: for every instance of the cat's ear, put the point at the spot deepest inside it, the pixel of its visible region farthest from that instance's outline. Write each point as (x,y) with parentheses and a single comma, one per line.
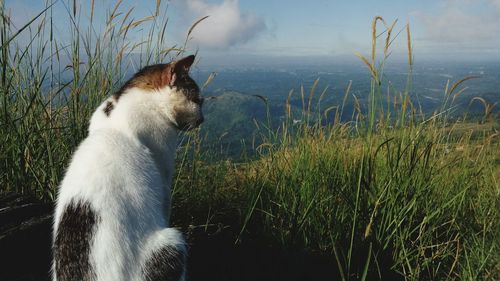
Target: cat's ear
(183,65)
(179,68)
(172,77)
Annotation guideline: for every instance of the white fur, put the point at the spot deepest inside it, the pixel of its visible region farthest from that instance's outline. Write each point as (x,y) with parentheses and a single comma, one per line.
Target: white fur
(124,169)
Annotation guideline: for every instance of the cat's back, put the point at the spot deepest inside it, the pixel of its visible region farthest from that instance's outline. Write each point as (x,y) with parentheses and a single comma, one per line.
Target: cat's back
(116,176)
(108,162)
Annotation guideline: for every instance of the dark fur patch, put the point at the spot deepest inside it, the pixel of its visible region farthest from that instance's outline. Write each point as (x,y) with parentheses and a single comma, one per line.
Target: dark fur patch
(72,243)
(166,264)
(109,107)
(189,88)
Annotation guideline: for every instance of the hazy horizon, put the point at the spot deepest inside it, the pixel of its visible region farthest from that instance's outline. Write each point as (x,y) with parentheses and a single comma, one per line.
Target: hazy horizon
(298,31)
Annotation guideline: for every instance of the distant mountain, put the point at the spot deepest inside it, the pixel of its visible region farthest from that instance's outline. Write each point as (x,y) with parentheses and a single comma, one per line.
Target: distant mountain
(235,105)
(230,115)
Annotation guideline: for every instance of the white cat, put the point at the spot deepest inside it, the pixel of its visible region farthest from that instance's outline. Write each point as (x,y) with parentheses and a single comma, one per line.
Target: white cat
(112,216)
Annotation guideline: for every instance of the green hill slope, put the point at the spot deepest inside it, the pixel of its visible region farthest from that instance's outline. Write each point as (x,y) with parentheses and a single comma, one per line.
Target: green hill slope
(230,115)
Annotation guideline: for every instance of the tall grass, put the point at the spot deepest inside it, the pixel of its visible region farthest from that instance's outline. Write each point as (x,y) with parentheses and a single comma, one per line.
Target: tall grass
(50,85)
(392,191)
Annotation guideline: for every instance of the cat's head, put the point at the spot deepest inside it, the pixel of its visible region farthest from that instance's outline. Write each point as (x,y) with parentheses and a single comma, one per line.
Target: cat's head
(179,95)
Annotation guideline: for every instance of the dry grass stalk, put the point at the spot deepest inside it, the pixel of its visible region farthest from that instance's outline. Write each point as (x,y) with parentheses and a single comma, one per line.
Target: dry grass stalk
(388,38)
(488,107)
(157,9)
(410,49)
(311,95)
(114,11)
(209,80)
(195,24)
(91,10)
(370,66)
(374,36)
(454,87)
(141,21)
(125,28)
(289,103)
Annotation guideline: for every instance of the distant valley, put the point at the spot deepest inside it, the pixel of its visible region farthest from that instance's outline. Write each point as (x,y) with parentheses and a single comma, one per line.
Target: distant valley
(232,107)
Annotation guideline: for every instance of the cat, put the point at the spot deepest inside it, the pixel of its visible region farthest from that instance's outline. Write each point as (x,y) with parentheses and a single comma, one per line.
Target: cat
(112,211)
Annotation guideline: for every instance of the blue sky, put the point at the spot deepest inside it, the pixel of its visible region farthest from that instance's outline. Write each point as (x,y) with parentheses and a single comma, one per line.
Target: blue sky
(441,29)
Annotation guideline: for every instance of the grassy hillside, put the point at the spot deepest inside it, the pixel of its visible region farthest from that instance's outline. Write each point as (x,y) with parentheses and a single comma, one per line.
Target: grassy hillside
(393,191)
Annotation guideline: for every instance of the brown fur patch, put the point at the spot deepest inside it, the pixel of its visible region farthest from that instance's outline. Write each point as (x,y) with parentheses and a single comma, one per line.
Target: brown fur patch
(160,75)
(149,78)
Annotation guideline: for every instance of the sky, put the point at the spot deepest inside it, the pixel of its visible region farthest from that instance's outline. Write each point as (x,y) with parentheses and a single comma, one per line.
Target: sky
(270,29)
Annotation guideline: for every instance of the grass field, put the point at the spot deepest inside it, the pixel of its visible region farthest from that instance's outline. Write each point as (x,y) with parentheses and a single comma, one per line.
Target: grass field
(393,190)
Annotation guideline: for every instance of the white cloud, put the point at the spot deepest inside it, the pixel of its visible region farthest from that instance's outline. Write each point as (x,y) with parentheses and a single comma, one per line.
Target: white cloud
(226,25)
(456,24)
(496,3)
